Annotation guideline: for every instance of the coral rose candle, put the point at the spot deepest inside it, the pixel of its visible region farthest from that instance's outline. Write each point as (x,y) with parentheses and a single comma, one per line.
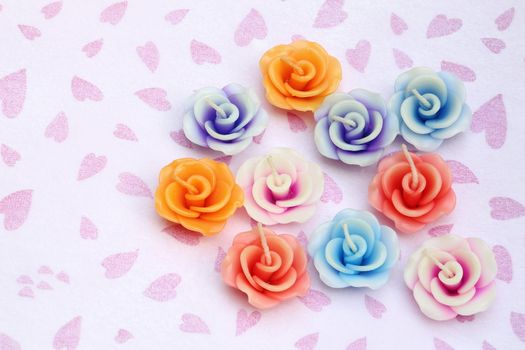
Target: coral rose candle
(267,267)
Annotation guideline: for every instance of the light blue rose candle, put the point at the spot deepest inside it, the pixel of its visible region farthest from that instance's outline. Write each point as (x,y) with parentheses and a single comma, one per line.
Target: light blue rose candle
(354,250)
(224,120)
(355,127)
(431,107)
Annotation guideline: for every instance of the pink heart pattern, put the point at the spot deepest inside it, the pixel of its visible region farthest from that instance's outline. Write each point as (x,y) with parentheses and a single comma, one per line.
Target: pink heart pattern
(179,137)
(92,48)
(441,345)
(26,292)
(122,131)
(149,55)
(402,60)
(442,26)
(315,300)
(332,192)
(308,342)
(113,14)
(251,27)
(397,24)
(517,321)
(62,277)
(123,336)
(176,16)
(358,57)
(296,123)
(68,336)
(504,20)
(13,93)
(8,343)
(202,53)
(493,44)
(15,208)
(491,117)
(58,129)
(504,262)
(84,90)
(462,72)
(193,324)
(163,288)
(52,9)
(221,254)
(487,346)
(155,98)
(330,14)
(91,165)
(183,235)
(117,265)
(132,185)
(461,173)
(504,208)
(359,344)
(29,32)
(9,155)
(24,279)
(246,321)
(375,308)
(88,230)
(440,230)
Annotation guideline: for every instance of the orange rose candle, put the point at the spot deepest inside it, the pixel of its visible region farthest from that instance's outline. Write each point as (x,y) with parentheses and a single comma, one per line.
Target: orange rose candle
(199,194)
(412,190)
(269,268)
(299,75)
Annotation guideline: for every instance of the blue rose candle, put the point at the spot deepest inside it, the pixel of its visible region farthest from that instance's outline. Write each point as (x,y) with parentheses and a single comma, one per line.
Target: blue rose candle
(355,127)
(354,250)
(431,107)
(224,120)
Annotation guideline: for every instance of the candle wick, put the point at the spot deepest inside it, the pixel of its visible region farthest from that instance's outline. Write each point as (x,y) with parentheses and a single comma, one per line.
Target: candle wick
(339,119)
(413,169)
(216,107)
(275,175)
(264,244)
(289,61)
(421,99)
(348,239)
(438,263)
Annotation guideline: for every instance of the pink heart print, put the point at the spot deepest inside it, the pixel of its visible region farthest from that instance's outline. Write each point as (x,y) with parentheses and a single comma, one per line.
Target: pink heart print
(24,279)
(332,192)
(223,159)
(68,336)
(51,9)
(26,292)
(504,263)
(155,98)
(45,270)
(179,137)
(163,288)
(221,254)
(315,300)
(358,57)
(397,24)
(504,20)
(117,265)
(493,44)
(463,319)
(251,27)
(44,285)
(122,131)
(133,185)
(461,173)
(91,165)
(29,32)
(123,336)
(92,48)
(462,72)
(202,53)
(9,155)
(113,13)
(58,129)
(487,346)
(149,55)
(442,26)
(62,277)
(8,343)
(296,123)
(183,235)
(359,344)
(440,230)
(375,308)
(246,321)
(504,208)
(491,117)
(88,230)
(402,60)
(84,90)
(517,321)
(176,16)
(193,324)
(15,208)
(13,93)
(441,345)
(330,14)
(308,342)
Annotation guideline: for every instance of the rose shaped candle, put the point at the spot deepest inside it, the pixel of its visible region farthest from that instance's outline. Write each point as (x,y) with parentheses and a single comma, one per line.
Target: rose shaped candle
(412,190)
(450,275)
(281,187)
(199,194)
(431,107)
(299,75)
(224,120)
(269,268)
(355,127)
(353,250)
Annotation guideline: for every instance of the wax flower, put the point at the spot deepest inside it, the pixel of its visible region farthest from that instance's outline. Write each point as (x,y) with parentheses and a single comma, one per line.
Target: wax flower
(199,194)
(451,275)
(280,187)
(224,120)
(299,75)
(412,190)
(355,127)
(268,267)
(431,107)
(354,250)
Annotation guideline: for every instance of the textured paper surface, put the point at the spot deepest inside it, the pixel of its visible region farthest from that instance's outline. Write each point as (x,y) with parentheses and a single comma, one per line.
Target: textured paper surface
(91,97)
